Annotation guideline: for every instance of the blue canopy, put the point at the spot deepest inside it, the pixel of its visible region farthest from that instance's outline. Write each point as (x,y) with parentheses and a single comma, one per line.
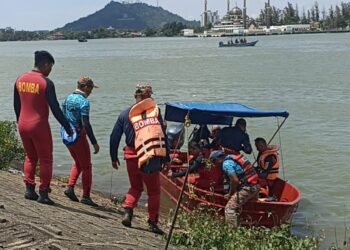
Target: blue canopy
(215,113)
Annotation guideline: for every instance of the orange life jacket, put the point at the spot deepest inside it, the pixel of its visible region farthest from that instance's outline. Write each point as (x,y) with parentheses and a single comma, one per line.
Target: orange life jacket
(249,175)
(149,136)
(272,172)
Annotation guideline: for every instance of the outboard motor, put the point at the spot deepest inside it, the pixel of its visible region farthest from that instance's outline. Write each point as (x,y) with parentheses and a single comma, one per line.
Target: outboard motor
(176,135)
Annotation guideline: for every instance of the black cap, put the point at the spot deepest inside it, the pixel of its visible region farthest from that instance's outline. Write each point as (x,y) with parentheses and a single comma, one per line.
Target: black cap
(42,56)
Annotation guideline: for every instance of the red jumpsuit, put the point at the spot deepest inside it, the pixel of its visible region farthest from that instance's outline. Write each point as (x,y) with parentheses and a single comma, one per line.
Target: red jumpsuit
(80,151)
(33,95)
(137,178)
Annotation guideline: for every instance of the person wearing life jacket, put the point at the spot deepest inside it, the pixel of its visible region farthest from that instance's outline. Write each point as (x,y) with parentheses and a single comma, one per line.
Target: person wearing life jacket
(243,182)
(76,108)
(268,163)
(235,139)
(145,151)
(34,94)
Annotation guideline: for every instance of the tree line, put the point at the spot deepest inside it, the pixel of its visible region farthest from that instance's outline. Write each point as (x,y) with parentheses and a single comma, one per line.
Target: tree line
(337,17)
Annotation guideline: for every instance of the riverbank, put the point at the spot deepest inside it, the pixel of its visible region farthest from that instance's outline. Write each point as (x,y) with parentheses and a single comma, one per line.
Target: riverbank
(28,224)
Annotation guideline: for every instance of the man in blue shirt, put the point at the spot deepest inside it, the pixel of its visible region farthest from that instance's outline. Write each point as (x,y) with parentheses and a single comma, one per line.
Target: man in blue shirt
(76,109)
(243,183)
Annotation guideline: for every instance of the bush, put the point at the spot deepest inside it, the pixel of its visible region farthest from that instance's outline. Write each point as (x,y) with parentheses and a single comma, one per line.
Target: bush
(198,230)
(10,146)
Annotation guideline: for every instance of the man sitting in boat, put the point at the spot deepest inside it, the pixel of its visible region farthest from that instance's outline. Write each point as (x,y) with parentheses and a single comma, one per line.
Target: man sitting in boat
(243,182)
(268,164)
(200,134)
(215,137)
(234,139)
(209,177)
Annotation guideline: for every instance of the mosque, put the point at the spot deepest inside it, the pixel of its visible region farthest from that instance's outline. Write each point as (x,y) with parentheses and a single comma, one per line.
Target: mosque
(233,23)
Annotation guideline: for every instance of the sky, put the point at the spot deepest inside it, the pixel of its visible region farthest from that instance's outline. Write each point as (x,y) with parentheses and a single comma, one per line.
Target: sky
(52,14)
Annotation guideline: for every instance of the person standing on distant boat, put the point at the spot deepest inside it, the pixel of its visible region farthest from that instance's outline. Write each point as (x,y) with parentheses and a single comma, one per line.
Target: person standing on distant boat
(76,109)
(243,181)
(235,139)
(145,151)
(34,93)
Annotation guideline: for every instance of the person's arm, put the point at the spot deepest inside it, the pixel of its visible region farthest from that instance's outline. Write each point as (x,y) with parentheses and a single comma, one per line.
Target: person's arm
(234,182)
(247,147)
(194,167)
(115,138)
(55,107)
(231,168)
(269,162)
(16,102)
(160,119)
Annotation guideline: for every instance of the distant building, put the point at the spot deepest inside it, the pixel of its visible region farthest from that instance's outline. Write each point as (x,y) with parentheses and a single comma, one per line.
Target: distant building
(212,18)
(231,23)
(56,36)
(188,33)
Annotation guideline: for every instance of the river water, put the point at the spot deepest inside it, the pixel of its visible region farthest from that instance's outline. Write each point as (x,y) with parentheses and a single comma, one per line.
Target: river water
(308,75)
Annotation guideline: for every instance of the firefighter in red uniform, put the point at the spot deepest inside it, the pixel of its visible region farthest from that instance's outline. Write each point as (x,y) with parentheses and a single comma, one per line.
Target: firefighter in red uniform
(145,151)
(34,93)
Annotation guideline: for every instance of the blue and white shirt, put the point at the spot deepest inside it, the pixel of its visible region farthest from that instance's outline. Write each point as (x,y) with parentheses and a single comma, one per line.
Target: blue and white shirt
(74,107)
(231,167)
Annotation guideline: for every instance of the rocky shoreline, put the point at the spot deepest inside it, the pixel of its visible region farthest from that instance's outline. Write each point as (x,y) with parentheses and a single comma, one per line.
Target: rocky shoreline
(26,224)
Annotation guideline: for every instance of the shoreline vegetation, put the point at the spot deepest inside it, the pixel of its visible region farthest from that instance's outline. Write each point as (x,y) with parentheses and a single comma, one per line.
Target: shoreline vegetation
(77,226)
(12,36)
(335,19)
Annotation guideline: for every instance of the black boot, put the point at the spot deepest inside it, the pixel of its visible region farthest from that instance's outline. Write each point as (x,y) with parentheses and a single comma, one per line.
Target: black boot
(44,198)
(154,228)
(30,193)
(69,192)
(128,213)
(87,201)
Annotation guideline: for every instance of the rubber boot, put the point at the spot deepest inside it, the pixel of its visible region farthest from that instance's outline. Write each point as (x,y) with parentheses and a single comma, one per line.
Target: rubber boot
(30,193)
(69,192)
(87,201)
(154,228)
(128,213)
(44,198)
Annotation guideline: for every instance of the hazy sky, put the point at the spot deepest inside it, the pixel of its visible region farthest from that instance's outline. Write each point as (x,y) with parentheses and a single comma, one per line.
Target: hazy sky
(51,14)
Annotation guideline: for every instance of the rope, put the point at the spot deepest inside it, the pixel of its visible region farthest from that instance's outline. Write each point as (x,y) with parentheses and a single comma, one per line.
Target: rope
(281,152)
(187,124)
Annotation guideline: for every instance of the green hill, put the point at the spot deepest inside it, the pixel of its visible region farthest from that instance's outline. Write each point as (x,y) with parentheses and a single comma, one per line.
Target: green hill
(124,16)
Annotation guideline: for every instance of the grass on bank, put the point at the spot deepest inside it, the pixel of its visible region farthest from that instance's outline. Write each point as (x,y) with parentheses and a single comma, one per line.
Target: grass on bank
(10,146)
(198,230)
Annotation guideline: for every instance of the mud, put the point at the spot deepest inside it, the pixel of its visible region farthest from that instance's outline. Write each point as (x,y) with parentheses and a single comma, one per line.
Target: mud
(26,224)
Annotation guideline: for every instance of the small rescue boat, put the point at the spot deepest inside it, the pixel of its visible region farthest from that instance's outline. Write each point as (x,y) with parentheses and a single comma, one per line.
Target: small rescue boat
(275,210)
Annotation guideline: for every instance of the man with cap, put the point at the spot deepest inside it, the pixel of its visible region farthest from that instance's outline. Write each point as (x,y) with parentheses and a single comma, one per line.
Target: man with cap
(243,181)
(34,94)
(76,109)
(145,151)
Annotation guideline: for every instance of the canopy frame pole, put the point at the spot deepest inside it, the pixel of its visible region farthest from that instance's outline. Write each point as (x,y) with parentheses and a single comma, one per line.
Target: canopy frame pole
(280,142)
(273,136)
(279,126)
(187,123)
(278,129)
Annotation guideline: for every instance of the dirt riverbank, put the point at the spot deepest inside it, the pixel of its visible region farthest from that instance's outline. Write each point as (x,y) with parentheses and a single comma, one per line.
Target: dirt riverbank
(26,224)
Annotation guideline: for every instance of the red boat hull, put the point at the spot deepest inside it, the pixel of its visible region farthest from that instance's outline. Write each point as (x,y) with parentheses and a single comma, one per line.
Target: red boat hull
(254,213)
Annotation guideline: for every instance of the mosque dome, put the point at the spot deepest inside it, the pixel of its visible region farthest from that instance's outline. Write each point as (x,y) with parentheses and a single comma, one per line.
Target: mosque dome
(236,11)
